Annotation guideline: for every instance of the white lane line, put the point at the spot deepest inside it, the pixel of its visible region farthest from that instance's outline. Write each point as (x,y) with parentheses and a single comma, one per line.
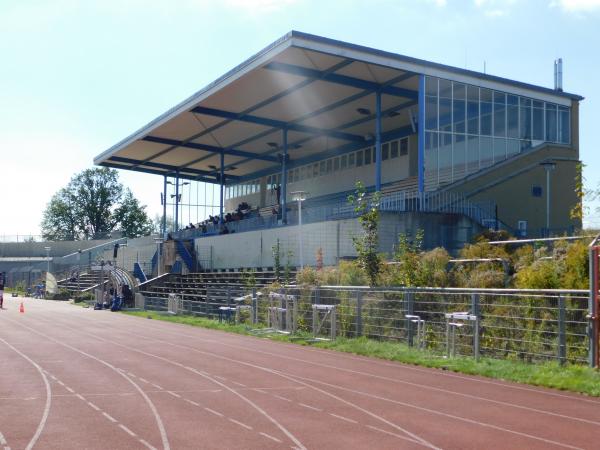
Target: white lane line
(191,402)
(212,411)
(238,384)
(157,386)
(310,407)
(268,436)
(261,391)
(399,436)
(247,427)
(189,368)
(93,406)
(343,418)
(174,394)
(281,398)
(147,444)
(159,422)
(131,375)
(69,389)
(46,412)
(60,382)
(109,417)
(80,397)
(219,377)
(127,430)
(143,380)
(2,439)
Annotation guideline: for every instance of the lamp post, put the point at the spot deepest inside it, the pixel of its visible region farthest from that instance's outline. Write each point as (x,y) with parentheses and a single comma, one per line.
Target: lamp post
(79,270)
(548,166)
(158,241)
(300,196)
(48,257)
(177,197)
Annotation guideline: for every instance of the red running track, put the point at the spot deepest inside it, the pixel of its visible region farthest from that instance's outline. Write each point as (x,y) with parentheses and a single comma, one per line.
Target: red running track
(74,378)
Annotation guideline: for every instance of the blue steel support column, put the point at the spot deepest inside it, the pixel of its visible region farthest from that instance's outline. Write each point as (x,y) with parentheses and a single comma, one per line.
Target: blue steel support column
(378,141)
(421,135)
(283,191)
(177,201)
(221,185)
(164,217)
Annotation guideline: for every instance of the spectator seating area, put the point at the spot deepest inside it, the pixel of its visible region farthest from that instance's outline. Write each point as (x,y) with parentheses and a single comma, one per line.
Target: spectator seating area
(203,293)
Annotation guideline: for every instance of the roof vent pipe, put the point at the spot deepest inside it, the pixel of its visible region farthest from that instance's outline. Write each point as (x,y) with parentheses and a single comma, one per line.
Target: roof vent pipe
(558,71)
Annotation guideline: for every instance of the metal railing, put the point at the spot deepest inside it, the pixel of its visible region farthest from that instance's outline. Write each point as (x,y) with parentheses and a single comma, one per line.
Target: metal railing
(526,325)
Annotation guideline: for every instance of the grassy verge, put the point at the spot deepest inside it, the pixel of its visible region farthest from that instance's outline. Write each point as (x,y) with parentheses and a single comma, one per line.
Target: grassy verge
(570,377)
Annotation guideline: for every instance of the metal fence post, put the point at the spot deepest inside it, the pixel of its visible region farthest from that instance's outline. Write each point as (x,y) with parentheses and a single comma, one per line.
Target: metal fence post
(254,307)
(410,307)
(475,310)
(562,332)
(359,322)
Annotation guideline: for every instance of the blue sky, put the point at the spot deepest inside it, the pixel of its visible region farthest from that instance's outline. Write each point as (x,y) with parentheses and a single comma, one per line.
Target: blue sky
(78,76)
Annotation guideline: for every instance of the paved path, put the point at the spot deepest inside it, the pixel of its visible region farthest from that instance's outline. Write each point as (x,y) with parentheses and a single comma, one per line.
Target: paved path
(74,378)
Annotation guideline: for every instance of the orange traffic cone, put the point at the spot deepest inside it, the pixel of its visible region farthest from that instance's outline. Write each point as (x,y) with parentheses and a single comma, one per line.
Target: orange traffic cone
(21,308)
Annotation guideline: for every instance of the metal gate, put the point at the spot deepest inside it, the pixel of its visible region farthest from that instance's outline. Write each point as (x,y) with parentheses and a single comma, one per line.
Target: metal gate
(594,303)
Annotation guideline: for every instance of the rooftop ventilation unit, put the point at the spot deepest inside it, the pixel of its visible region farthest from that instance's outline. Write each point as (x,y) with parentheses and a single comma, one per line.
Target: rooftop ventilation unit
(558,72)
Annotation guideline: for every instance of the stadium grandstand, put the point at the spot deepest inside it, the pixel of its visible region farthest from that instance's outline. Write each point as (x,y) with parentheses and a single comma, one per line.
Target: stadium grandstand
(285,136)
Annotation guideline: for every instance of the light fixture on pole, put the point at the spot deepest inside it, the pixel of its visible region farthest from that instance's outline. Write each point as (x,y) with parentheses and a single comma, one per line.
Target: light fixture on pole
(158,241)
(300,196)
(548,166)
(177,197)
(48,257)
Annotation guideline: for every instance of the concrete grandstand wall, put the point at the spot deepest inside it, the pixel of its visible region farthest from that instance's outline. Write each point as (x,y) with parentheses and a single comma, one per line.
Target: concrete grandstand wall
(334,238)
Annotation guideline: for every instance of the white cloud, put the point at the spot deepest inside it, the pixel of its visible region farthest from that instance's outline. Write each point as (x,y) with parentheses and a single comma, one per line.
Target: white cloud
(439,3)
(495,8)
(577,6)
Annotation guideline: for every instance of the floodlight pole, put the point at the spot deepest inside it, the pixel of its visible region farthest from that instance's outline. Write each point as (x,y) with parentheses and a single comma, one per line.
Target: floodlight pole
(159,241)
(177,201)
(300,196)
(79,270)
(548,166)
(221,184)
(48,258)
(164,217)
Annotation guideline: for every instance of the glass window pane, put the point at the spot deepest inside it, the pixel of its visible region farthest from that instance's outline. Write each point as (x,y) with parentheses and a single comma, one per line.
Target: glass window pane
(551,123)
(368,156)
(431,108)
(336,164)
(538,120)
(385,151)
(525,118)
(564,125)
(445,108)
(499,114)
(315,170)
(322,168)
(512,113)
(513,147)
(486,111)
(445,158)
(344,161)
(351,158)
(499,149)
(359,158)
(472,110)
(472,154)
(394,149)
(329,165)
(303,172)
(431,160)
(404,147)
(486,152)
(459,157)
(459,108)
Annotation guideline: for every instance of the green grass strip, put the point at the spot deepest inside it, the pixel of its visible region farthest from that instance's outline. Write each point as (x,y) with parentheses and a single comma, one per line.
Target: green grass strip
(571,377)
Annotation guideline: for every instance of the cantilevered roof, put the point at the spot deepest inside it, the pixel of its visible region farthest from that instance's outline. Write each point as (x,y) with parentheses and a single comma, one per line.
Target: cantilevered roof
(321,90)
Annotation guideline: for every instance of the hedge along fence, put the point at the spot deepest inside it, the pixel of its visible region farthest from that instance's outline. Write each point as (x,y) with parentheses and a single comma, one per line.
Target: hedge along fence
(529,325)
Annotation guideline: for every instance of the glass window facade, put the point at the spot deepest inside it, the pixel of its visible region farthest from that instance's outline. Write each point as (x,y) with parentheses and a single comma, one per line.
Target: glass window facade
(468,128)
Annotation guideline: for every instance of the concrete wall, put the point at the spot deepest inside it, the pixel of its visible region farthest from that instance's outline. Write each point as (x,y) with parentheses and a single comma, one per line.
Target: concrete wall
(33,249)
(509,184)
(254,248)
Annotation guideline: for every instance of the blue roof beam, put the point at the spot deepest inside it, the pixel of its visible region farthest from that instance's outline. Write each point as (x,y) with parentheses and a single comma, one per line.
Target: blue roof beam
(342,79)
(209,148)
(159,172)
(277,124)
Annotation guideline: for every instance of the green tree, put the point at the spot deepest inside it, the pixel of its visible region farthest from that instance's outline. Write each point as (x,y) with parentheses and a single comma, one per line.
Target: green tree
(367,244)
(132,218)
(93,204)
